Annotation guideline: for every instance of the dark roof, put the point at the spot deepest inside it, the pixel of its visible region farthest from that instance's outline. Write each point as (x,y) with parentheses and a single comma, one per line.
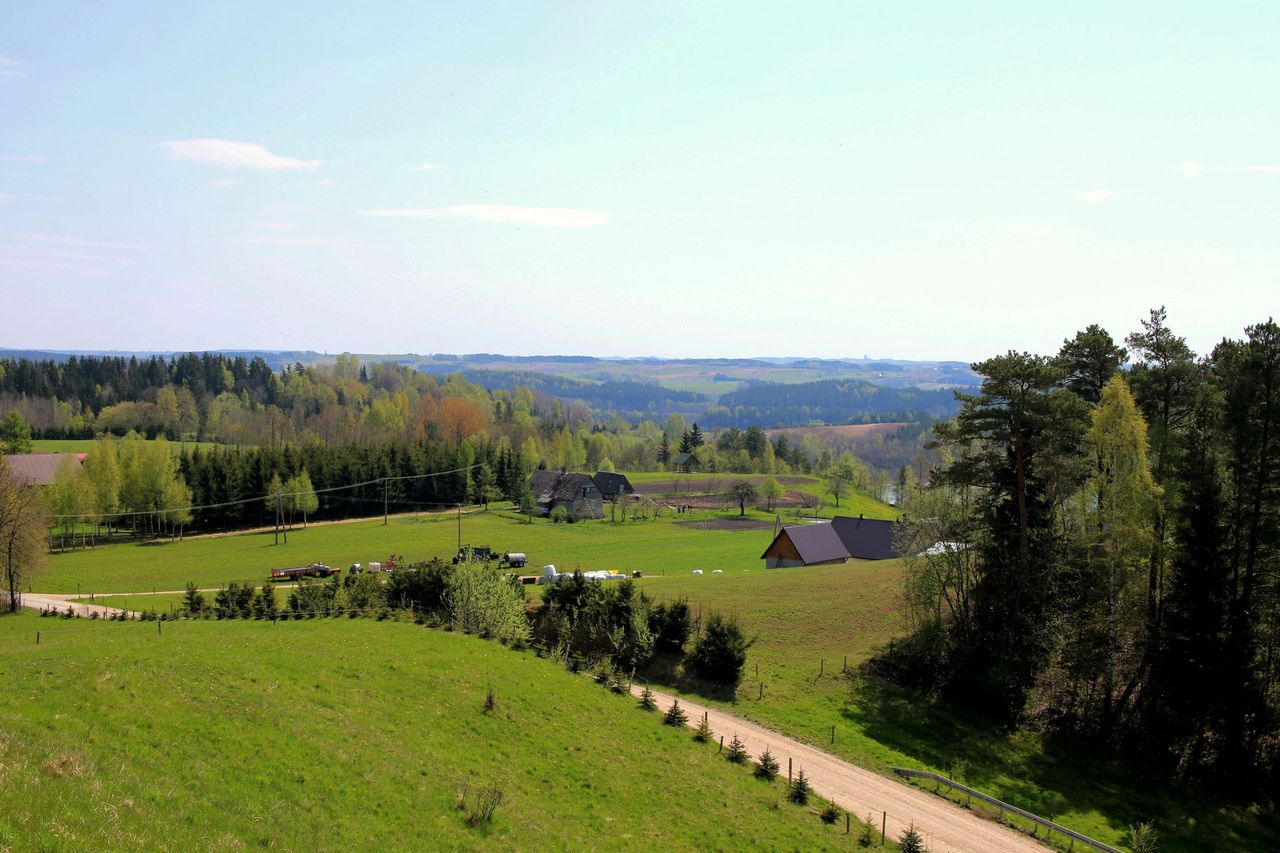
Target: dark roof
(867,538)
(611,484)
(862,538)
(686,458)
(559,485)
(38,469)
(816,543)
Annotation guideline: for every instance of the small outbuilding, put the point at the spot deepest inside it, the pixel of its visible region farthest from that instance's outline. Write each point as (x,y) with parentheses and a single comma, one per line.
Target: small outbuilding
(39,469)
(687,463)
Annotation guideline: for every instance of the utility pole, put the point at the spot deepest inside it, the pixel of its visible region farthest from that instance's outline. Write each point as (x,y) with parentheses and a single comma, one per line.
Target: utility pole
(459,527)
(384,501)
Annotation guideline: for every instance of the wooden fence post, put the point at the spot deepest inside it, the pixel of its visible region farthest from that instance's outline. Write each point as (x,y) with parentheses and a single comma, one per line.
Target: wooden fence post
(37,638)
(788,772)
(822,666)
(884,821)
(833,735)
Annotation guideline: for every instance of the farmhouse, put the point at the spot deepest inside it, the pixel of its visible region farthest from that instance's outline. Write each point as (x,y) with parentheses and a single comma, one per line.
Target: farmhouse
(612,485)
(577,493)
(845,539)
(39,469)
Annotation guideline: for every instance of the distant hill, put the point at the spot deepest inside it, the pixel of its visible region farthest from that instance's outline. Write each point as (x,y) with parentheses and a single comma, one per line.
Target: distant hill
(832,401)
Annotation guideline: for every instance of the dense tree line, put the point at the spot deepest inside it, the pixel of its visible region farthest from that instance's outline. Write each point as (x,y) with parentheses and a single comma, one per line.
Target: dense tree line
(1115,556)
(828,401)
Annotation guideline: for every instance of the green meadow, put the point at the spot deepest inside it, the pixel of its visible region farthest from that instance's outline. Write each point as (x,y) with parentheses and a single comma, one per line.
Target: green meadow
(84,445)
(664,545)
(338,734)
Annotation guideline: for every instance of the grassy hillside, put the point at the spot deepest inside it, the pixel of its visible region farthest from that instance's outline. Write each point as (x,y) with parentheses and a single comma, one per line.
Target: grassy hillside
(84,445)
(807,621)
(341,734)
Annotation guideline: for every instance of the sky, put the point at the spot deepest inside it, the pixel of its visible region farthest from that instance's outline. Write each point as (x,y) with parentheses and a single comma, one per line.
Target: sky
(910,180)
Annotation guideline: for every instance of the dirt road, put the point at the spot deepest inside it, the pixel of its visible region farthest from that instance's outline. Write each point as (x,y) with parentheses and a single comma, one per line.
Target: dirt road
(946,827)
(60,603)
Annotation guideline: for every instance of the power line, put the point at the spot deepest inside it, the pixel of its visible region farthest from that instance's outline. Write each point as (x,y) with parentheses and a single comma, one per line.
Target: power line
(272,496)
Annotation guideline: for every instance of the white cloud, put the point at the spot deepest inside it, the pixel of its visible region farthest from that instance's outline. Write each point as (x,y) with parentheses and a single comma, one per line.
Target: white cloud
(272,225)
(11,68)
(229,154)
(427,167)
(1191,168)
(23,158)
(225,182)
(1097,195)
(549,217)
(314,242)
(1267,167)
(5,198)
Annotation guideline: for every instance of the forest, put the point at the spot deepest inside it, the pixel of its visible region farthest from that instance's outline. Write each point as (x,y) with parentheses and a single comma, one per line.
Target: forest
(827,401)
(1110,520)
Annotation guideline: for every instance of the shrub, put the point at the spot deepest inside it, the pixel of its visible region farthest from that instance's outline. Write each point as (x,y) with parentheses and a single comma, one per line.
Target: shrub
(420,586)
(559,515)
(702,734)
(737,753)
(721,651)
(480,803)
(491,700)
(910,841)
(675,715)
(767,766)
(193,601)
(830,814)
(1142,838)
(670,625)
(800,789)
(480,601)
(646,699)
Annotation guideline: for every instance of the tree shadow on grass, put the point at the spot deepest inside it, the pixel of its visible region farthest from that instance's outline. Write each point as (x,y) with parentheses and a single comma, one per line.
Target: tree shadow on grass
(1049,778)
(665,670)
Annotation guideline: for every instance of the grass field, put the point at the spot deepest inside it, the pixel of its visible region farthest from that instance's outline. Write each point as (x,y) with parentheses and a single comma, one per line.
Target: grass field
(343,734)
(651,546)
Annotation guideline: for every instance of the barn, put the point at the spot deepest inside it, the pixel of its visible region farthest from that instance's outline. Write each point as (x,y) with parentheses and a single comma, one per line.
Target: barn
(844,540)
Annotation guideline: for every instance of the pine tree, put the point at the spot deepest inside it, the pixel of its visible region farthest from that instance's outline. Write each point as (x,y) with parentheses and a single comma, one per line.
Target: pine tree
(696,439)
(675,715)
(830,813)
(767,766)
(193,601)
(686,442)
(737,753)
(664,450)
(646,699)
(910,840)
(800,789)
(703,733)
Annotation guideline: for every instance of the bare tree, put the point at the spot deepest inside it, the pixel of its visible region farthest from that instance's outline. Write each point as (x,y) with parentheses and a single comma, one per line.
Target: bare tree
(24,524)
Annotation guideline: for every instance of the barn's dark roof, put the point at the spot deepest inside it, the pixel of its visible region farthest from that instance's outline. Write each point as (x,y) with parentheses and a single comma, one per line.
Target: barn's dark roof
(559,485)
(816,543)
(611,485)
(686,459)
(863,538)
(38,469)
(866,538)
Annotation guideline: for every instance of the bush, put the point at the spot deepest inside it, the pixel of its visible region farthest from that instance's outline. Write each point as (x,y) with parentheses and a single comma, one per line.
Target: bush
(671,625)
(867,837)
(480,803)
(480,601)
(830,814)
(737,753)
(647,702)
(767,767)
(675,715)
(1142,838)
(800,790)
(721,651)
(559,515)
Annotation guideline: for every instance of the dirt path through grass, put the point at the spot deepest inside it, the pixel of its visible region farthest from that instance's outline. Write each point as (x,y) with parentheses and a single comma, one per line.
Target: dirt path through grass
(945,827)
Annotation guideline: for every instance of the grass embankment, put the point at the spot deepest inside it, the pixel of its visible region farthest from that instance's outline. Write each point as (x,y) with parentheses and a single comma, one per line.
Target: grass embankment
(801,616)
(340,734)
